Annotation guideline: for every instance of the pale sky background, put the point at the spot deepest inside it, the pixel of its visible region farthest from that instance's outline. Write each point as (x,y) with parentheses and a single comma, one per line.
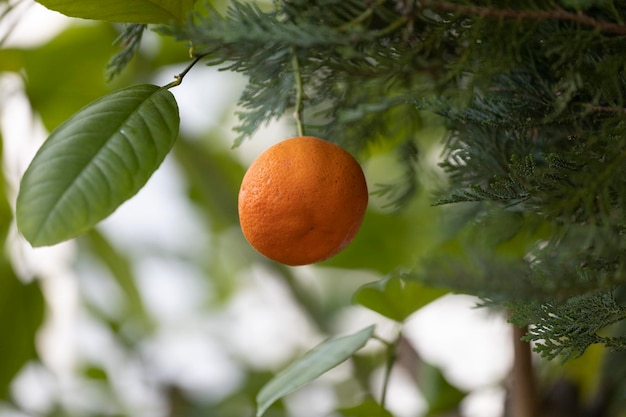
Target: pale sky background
(470,345)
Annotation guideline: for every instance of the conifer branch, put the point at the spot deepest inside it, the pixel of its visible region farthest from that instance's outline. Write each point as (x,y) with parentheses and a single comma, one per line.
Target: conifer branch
(555,14)
(129,40)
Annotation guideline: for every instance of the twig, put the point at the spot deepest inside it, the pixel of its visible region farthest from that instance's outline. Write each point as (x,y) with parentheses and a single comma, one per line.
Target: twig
(390,361)
(555,14)
(178,79)
(603,109)
(297,113)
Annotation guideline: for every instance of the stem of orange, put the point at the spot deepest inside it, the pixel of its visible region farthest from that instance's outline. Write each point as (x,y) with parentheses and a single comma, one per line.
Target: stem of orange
(297,114)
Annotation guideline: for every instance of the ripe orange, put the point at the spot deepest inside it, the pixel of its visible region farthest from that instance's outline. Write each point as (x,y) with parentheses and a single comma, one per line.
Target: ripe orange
(302,201)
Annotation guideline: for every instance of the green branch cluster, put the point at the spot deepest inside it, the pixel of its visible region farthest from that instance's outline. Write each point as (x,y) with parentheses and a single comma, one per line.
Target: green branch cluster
(533,96)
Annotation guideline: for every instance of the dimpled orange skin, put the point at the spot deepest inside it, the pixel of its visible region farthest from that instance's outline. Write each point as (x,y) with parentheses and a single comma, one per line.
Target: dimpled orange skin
(302,201)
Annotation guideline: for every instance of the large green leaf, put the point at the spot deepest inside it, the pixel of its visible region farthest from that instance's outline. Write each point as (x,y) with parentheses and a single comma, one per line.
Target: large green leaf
(316,362)
(129,11)
(396,298)
(94,162)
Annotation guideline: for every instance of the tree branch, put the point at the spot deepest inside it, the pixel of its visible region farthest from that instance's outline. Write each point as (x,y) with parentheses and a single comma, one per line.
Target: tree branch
(555,14)
(523,402)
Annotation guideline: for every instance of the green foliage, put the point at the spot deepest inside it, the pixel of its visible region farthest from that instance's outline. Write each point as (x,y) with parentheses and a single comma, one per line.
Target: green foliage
(127,11)
(94,162)
(346,59)
(394,298)
(531,215)
(21,315)
(441,396)
(121,271)
(77,78)
(568,328)
(364,409)
(21,306)
(130,41)
(309,367)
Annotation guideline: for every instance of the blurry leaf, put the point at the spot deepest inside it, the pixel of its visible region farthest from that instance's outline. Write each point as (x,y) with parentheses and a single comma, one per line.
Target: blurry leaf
(21,307)
(6,214)
(384,242)
(368,408)
(121,271)
(94,162)
(127,11)
(214,179)
(395,298)
(11,60)
(79,55)
(96,373)
(21,314)
(440,395)
(313,364)
(580,4)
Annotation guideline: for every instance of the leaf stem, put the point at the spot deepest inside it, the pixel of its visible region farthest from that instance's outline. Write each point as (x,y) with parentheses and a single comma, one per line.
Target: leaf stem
(178,79)
(390,360)
(297,114)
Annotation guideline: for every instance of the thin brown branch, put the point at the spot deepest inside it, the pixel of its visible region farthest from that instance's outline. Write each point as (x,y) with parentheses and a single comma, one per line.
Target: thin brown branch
(555,14)
(604,109)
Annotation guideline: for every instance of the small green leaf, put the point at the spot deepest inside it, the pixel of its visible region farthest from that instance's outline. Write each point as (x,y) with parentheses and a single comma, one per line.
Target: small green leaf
(316,362)
(123,11)
(94,162)
(396,298)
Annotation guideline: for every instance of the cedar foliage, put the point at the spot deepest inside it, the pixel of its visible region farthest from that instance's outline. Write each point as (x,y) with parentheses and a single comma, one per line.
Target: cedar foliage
(533,96)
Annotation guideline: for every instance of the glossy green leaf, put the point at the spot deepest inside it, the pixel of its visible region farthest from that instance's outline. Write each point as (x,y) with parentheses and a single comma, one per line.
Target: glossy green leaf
(395,298)
(316,362)
(128,11)
(94,162)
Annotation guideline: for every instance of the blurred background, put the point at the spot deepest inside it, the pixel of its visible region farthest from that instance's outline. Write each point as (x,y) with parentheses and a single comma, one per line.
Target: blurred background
(164,309)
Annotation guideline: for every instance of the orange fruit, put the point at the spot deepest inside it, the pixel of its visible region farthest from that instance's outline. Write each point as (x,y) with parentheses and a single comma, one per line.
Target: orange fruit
(302,201)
